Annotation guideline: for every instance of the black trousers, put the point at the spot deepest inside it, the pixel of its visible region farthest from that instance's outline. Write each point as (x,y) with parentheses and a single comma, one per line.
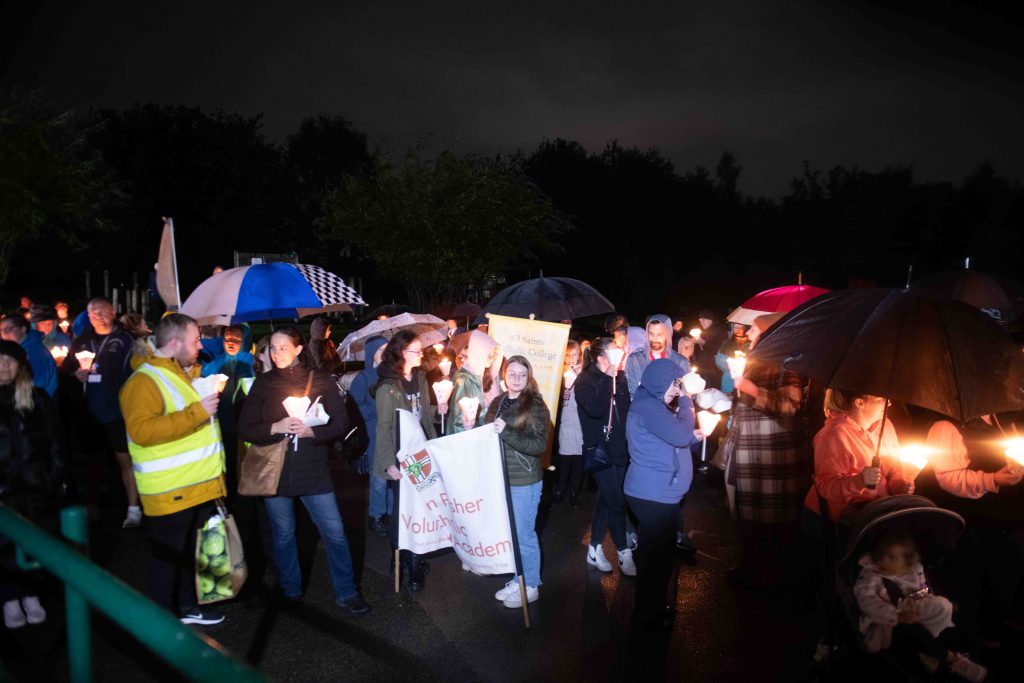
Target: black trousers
(655,557)
(570,475)
(610,511)
(172,565)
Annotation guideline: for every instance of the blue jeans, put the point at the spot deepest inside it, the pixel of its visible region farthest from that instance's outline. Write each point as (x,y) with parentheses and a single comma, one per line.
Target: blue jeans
(380,496)
(323,509)
(525,500)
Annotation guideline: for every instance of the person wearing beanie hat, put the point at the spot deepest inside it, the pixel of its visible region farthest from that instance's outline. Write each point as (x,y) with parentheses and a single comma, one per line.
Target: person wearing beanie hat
(712,336)
(44,319)
(32,469)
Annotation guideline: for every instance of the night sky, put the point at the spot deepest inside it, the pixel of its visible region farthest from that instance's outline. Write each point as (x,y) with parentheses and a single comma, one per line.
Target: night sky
(776,83)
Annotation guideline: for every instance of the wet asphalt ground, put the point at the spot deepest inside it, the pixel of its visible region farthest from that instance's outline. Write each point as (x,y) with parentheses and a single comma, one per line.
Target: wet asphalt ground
(455,630)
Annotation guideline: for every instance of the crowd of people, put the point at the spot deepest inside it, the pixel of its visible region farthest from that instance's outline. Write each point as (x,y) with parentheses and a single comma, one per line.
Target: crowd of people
(799,461)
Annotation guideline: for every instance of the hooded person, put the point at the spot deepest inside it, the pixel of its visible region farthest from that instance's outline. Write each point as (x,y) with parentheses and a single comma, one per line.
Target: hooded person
(706,345)
(360,391)
(658,345)
(473,380)
(44,370)
(325,356)
(659,430)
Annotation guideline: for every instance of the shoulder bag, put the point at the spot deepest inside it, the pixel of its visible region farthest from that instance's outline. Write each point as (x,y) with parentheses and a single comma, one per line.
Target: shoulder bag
(262,463)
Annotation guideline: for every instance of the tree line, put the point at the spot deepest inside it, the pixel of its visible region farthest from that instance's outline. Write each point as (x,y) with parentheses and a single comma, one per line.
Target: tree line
(87,190)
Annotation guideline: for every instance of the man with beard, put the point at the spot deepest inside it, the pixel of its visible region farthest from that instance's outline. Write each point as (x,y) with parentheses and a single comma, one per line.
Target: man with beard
(659,338)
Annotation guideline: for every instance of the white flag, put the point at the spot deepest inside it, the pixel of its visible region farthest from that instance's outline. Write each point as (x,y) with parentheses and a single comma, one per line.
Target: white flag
(453,495)
(167,268)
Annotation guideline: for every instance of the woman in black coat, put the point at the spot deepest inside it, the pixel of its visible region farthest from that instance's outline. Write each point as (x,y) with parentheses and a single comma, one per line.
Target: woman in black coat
(305,474)
(32,469)
(602,401)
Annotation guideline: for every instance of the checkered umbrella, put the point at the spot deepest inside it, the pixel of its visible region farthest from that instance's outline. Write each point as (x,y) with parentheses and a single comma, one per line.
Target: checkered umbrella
(267,291)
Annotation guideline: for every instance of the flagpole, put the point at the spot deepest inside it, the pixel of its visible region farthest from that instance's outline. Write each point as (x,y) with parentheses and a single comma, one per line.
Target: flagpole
(398,489)
(515,538)
(174,259)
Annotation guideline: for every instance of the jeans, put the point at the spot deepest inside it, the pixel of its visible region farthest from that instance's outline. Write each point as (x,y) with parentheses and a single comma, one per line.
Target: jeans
(380,496)
(525,500)
(323,509)
(610,511)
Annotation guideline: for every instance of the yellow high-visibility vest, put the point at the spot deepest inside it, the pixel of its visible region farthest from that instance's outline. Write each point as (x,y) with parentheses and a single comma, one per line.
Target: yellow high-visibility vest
(186,462)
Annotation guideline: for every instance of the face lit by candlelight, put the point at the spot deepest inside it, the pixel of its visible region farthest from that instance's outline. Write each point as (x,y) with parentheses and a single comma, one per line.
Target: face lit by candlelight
(101,316)
(686,348)
(657,335)
(283,351)
(517,376)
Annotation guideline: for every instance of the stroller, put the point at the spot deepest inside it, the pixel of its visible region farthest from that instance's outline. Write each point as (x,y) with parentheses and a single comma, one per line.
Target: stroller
(935,531)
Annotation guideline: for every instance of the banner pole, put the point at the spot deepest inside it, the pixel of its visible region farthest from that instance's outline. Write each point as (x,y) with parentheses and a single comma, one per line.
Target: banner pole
(398,489)
(515,538)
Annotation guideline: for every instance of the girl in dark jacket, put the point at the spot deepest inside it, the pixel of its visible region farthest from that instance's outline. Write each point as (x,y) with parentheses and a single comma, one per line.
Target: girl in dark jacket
(401,384)
(32,467)
(602,401)
(305,474)
(522,419)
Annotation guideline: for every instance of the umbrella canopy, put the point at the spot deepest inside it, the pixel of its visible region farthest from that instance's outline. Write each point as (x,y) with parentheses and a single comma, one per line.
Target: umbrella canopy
(548,298)
(427,327)
(1001,299)
(266,291)
(465,309)
(937,354)
(777,300)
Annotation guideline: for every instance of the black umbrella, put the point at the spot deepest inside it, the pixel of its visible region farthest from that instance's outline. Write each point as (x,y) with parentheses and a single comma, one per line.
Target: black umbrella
(548,298)
(1001,299)
(934,353)
(390,310)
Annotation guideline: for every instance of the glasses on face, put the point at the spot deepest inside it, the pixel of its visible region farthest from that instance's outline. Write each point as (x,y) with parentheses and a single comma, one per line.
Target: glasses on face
(415,353)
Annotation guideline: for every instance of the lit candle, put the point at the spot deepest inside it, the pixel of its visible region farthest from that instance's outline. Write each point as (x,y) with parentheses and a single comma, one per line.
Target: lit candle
(64,325)
(469,406)
(707,421)
(915,458)
(443,390)
(614,355)
(445,365)
(693,383)
(439,348)
(59,353)
(737,365)
(569,377)
(85,359)
(695,333)
(296,406)
(1015,454)
(693,369)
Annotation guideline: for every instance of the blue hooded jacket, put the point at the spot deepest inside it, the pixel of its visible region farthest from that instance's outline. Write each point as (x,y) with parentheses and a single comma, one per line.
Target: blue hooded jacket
(660,468)
(44,369)
(360,391)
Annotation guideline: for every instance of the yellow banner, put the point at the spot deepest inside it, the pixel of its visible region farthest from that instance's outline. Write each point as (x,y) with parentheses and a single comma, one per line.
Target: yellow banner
(541,343)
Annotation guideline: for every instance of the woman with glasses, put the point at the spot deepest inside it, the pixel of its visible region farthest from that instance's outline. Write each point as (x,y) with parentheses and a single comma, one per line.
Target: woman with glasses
(401,384)
(844,470)
(521,417)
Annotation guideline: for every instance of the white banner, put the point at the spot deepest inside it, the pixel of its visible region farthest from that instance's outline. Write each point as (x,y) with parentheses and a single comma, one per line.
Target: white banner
(453,496)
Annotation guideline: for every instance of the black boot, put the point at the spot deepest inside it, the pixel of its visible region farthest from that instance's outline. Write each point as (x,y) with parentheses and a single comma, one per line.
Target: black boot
(418,570)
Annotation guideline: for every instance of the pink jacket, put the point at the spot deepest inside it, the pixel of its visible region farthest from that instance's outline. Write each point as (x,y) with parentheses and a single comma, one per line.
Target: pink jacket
(952,465)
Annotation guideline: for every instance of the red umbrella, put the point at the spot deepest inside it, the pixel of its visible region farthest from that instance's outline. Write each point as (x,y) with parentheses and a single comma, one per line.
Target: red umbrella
(778,300)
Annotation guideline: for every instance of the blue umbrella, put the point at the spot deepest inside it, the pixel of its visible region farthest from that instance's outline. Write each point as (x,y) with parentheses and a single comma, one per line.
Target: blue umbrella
(267,291)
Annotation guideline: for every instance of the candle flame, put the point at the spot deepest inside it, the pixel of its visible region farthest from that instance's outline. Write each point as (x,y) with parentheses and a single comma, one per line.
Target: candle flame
(916,455)
(1015,449)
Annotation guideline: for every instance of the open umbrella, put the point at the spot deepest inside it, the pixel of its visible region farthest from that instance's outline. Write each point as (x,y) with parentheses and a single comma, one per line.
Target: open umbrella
(1001,299)
(464,310)
(389,310)
(266,291)
(939,354)
(548,298)
(427,327)
(777,300)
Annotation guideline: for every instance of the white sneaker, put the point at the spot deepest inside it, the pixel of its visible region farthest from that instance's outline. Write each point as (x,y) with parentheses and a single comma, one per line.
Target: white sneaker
(511,586)
(626,565)
(595,556)
(515,599)
(962,666)
(133,519)
(33,610)
(13,616)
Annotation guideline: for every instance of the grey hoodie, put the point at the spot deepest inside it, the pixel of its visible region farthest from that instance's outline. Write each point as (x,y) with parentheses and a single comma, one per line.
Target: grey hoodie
(641,358)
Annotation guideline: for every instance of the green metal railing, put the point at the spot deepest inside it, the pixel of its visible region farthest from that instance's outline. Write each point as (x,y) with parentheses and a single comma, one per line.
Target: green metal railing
(195,656)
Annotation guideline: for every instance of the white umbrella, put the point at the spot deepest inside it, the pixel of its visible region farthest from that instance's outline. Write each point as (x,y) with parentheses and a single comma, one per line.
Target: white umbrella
(427,327)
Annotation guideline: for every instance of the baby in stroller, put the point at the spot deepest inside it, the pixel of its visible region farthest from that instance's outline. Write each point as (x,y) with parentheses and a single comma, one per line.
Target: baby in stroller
(896,602)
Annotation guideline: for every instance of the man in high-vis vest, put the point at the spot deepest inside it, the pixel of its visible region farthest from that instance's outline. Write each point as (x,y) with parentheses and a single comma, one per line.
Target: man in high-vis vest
(178,460)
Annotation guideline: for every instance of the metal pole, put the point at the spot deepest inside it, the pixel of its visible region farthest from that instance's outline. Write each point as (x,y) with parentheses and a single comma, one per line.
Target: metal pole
(73,524)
